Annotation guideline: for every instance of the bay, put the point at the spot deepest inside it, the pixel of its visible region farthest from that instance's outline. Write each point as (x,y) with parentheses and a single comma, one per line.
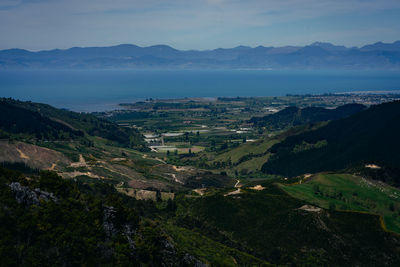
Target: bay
(99,90)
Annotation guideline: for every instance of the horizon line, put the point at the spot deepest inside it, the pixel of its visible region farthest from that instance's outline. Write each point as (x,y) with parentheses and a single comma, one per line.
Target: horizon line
(185,50)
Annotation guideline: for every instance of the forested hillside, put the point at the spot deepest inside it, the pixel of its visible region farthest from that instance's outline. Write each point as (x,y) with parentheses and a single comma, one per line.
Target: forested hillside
(17,120)
(48,221)
(293,116)
(368,137)
(42,121)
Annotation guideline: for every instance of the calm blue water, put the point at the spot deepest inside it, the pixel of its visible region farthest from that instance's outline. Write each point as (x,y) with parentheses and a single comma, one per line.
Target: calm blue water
(97,90)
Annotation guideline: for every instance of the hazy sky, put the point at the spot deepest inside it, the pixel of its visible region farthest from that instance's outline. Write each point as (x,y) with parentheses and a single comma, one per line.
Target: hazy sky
(201,24)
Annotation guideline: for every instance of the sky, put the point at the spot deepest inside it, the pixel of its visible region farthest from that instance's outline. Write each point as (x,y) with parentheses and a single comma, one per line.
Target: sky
(195,24)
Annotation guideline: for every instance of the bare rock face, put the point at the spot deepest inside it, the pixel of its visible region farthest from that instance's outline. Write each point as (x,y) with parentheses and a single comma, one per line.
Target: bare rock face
(128,233)
(108,221)
(25,195)
(111,230)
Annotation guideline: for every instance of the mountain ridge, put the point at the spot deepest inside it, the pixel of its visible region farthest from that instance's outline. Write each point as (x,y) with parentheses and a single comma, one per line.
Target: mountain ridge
(318,55)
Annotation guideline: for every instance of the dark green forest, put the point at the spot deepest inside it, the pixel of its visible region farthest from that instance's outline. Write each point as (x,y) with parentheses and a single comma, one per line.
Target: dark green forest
(48,221)
(370,136)
(293,116)
(41,121)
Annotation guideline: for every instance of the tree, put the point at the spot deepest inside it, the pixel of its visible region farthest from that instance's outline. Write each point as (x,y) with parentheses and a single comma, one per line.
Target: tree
(316,189)
(224,146)
(391,206)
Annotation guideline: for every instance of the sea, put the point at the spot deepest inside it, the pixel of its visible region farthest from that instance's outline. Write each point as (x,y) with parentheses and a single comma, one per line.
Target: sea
(102,90)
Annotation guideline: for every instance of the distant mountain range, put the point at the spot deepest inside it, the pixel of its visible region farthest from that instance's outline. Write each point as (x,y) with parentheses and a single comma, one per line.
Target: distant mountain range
(378,56)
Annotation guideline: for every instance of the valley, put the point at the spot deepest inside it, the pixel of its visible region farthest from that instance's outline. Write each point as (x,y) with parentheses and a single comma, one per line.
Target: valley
(265,181)
(199,133)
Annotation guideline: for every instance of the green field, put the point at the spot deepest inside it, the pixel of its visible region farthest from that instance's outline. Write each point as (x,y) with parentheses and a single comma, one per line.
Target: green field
(352,193)
(258,147)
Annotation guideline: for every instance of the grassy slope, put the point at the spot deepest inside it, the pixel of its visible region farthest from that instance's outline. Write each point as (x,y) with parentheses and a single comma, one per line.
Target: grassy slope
(353,193)
(252,147)
(253,155)
(253,164)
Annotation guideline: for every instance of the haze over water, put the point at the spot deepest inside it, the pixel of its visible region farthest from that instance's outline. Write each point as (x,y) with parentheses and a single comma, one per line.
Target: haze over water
(99,90)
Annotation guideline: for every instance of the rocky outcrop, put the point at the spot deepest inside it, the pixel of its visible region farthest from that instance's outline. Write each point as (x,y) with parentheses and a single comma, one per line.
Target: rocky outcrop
(27,196)
(189,260)
(108,221)
(168,254)
(109,214)
(128,232)
(171,257)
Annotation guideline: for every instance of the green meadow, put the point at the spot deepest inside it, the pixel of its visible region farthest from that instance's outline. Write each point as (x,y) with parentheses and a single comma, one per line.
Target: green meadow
(351,193)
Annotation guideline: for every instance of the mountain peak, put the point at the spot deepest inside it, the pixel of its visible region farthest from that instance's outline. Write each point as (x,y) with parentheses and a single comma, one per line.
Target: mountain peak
(321,44)
(161,46)
(395,46)
(242,47)
(328,46)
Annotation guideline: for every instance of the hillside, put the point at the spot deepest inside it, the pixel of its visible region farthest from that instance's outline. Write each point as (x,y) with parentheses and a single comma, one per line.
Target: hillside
(41,121)
(91,149)
(91,200)
(314,56)
(351,193)
(367,137)
(49,221)
(21,121)
(293,116)
(272,225)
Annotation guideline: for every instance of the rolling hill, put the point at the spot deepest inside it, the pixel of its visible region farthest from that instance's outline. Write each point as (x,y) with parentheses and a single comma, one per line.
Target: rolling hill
(92,216)
(351,193)
(272,225)
(45,122)
(367,137)
(18,120)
